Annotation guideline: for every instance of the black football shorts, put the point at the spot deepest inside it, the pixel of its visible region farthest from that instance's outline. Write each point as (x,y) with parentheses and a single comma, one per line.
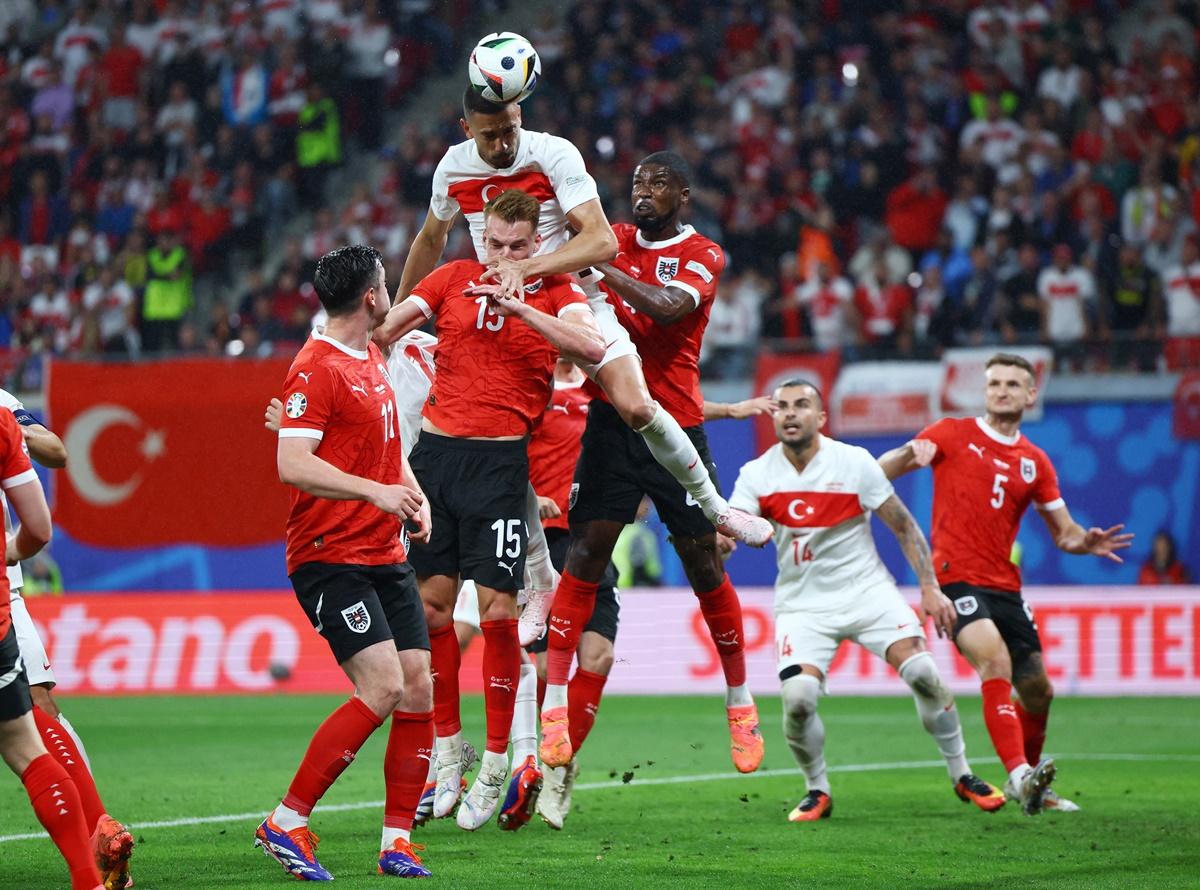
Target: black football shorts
(1008,611)
(15,700)
(607,611)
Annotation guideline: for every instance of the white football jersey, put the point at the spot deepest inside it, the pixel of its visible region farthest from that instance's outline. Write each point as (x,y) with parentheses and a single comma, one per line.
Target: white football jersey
(410,368)
(548,167)
(824,548)
(16,579)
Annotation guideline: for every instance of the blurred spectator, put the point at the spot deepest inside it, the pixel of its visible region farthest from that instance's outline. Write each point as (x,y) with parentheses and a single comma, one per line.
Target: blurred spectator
(828,298)
(636,554)
(110,315)
(1021,313)
(42,576)
(1164,566)
(168,292)
(366,48)
(884,309)
(731,338)
(915,210)
(120,81)
(1068,293)
(318,143)
(1131,312)
(977,306)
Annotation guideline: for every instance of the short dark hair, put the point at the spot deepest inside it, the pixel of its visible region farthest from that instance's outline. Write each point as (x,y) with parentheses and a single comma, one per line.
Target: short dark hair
(344,274)
(1013,360)
(475,103)
(673,162)
(802,381)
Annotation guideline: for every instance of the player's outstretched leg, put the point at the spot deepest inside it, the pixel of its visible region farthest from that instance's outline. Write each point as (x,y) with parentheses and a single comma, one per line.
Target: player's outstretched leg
(525,785)
(805,735)
(939,716)
(573,605)
(445,658)
(722,612)
(540,576)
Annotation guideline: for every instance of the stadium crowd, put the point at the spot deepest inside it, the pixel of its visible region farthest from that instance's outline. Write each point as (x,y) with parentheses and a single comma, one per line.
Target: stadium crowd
(888,179)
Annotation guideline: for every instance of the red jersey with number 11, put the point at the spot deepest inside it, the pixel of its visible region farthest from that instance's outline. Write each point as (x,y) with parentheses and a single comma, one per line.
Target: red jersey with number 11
(982,483)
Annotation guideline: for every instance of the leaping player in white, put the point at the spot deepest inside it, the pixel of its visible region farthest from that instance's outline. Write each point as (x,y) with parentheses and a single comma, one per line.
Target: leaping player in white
(819,494)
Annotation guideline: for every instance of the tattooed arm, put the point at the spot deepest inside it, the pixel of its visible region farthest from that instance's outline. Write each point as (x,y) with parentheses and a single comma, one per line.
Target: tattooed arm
(916,550)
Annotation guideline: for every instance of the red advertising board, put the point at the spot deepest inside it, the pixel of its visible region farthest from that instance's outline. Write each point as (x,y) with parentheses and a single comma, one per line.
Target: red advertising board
(1098,641)
(168,452)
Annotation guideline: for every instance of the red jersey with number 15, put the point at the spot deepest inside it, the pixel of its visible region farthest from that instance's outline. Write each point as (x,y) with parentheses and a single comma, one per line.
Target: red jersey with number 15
(670,353)
(982,483)
(494,372)
(342,397)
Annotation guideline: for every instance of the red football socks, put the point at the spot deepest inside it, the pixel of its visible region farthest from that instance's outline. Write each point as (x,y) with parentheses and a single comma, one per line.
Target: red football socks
(1000,715)
(501,671)
(583,701)
(573,604)
(1033,729)
(56,802)
(59,743)
(405,766)
(723,614)
(331,750)
(445,657)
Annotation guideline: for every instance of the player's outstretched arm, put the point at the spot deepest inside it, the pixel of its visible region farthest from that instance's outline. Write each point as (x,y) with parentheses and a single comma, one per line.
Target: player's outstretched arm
(594,243)
(29,505)
(916,550)
(1071,537)
(912,455)
(666,305)
(44,446)
(739,410)
(402,318)
(575,335)
(424,253)
(299,466)
(423,518)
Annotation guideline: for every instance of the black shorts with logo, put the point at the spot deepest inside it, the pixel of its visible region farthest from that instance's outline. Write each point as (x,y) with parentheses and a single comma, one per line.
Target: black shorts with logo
(1008,611)
(15,700)
(476,492)
(616,469)
(356,606)
(607,612)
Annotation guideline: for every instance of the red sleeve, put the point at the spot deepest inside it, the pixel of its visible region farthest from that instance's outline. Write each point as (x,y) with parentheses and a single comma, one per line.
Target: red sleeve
(16,469)
(942,434)
(432,289)
(1046,495)
(699,270)
(308,400)
(566,292)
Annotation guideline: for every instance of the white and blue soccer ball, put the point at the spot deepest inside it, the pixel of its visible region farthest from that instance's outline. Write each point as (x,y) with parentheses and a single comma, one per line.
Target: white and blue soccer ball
(504,67)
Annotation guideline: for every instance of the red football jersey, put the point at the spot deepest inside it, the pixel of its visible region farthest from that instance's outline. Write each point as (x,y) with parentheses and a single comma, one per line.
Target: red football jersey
(982,483)
(494,374)
(555,446)
(342,397)
(670,353)
(15,469)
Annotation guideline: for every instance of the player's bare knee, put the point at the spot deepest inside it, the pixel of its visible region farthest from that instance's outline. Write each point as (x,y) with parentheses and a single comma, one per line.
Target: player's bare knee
(597,661)
(437,614)
(1036,693)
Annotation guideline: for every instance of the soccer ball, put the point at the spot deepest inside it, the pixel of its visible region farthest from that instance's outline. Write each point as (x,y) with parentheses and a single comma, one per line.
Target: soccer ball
(504,67)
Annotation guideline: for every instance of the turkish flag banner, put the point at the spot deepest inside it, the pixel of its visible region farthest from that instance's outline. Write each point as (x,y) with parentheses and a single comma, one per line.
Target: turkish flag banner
(776,367)
(168,452)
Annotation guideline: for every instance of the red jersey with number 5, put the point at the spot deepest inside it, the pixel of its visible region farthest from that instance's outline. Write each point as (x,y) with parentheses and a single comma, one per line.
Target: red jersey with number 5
(670,353)
(494,372)
(982,483)
(342,398)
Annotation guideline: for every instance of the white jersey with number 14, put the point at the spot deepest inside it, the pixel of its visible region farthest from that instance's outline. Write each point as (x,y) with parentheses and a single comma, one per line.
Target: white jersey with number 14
(824,548)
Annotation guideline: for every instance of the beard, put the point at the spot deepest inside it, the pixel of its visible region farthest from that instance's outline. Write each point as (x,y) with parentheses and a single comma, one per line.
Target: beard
(650,223)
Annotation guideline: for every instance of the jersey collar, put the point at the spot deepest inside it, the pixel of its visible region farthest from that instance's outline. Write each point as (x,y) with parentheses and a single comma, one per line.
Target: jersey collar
(994,434)
(687,232)
(360,354)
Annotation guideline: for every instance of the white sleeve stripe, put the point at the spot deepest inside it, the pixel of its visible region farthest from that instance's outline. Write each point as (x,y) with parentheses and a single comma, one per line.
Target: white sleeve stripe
(1050,507)
(573,307)
(422,305)
(687,289)
(295,432)
(29,475)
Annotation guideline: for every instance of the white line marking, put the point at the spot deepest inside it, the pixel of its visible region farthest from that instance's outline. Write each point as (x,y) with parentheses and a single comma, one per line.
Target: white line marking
(257,815)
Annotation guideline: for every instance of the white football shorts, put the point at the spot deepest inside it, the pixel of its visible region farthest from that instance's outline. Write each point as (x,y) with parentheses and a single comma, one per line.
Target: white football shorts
(33,651)
(466,608)
(616,339)
(875,619)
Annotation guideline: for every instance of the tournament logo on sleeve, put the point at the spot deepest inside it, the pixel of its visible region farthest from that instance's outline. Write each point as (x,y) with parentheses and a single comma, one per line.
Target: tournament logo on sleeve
(1028,470)
(357,618)
(667,268)
(296,405)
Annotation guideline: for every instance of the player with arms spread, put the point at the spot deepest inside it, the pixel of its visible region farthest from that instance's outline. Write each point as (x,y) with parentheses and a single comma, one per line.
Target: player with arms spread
(496,356)
(832,586)
(339,449)
(499,154)
(661,286)
(985,475)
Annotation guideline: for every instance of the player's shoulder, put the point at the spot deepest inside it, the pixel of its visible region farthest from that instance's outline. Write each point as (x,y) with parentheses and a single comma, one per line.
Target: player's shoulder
(459,157)
(454,270)
(701,246)
(762,468)
(847,454)
(549,147)
(1033,450)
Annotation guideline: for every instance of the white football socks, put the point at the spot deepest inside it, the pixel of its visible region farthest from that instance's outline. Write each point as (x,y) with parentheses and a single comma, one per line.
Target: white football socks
(525,714)
(675,451)
(804,730)
(738,696)
(287,818)
(390,835)
(937,710)
(538,570)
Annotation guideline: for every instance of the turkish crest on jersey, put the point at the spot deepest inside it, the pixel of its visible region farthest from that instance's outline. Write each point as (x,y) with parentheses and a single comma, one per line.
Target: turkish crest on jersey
(667,269)
(1028,470)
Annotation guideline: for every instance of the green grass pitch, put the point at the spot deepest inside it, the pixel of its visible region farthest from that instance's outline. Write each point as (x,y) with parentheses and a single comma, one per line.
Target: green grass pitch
(1132,764)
